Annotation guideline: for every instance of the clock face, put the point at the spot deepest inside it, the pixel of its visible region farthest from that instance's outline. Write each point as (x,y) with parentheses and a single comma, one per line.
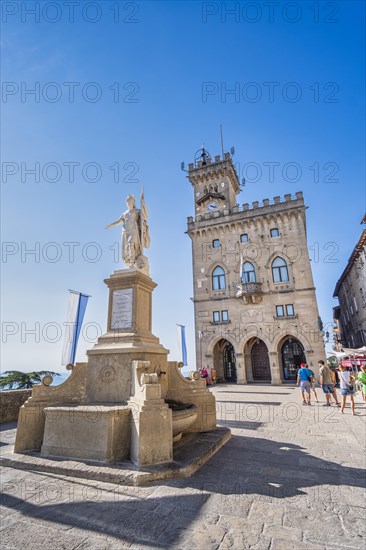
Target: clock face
(212,206)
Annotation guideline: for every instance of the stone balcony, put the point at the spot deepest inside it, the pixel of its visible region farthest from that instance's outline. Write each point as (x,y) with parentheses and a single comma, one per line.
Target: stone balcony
(251,293)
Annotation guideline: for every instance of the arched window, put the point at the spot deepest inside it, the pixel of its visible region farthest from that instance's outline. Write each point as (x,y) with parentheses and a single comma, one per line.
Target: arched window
(218,278)
(248,273)
(279,270)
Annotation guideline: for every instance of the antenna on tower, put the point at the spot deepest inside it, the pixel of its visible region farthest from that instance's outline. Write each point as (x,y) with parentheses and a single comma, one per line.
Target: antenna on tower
(222,142)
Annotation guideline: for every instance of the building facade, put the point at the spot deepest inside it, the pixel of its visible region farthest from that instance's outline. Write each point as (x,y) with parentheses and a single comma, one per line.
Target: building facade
(350,315)
(256,315)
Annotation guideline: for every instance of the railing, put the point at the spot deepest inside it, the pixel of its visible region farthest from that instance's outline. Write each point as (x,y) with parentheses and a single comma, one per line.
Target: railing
(249,288)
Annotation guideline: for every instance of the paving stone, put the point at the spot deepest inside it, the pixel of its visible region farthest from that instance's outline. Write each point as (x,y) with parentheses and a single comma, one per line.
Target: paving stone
(230,523)
(7,520)
(277,531)
(236,538)
(269,514)
(263,543)
(35,537)
(236,505)
(322,528)
(188,539)
(283,543)
(97,543)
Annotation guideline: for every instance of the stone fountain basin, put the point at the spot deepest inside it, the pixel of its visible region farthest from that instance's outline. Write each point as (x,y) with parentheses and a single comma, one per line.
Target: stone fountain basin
(184,415)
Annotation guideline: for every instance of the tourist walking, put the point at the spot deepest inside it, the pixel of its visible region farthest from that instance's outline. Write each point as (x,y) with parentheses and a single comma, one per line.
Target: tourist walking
(204,374)
(313,383)
(326,382)
(346,381)
(335,385)
(304,380)
(362,379)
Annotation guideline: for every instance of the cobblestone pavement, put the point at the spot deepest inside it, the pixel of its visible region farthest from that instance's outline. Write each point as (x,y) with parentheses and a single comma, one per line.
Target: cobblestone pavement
(291,477)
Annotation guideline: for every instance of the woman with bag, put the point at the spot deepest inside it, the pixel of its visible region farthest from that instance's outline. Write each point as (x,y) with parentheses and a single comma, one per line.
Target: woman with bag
(347,387)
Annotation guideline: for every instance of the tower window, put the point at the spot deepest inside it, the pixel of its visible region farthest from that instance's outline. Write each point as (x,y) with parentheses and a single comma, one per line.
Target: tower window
(221,316)
(248,273)
(279,311)
(279,270)
(244,238)
(275,232)
(285,311)
(216,243)
(218,279)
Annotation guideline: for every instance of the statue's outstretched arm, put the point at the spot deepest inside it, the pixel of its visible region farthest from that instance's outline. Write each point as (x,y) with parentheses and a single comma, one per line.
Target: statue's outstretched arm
(118,222)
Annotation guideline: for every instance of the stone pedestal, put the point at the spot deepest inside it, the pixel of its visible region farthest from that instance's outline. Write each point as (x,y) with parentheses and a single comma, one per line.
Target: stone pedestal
(128,338)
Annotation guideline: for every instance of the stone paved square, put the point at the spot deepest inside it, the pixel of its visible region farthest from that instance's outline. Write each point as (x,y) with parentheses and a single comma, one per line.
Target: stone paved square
(291,477)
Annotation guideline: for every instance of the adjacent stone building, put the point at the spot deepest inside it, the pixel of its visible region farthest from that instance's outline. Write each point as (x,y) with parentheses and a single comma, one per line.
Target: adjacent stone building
(256,314)
(350,315)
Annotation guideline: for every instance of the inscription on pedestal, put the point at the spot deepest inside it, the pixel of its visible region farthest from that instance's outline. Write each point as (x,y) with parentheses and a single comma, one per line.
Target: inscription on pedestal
(122,309)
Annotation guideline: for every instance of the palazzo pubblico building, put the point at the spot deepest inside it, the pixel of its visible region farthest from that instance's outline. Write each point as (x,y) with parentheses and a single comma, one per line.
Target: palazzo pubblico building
(256,314)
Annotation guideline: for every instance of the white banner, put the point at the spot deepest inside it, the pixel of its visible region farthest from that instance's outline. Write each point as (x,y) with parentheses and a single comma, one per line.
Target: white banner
(70,327)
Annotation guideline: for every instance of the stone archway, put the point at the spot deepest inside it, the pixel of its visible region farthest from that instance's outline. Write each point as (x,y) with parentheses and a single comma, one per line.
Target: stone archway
(224,361)
(259,358)
(292,354)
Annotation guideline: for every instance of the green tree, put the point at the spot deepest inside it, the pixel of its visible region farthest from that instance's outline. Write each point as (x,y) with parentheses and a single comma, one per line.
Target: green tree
(14,379)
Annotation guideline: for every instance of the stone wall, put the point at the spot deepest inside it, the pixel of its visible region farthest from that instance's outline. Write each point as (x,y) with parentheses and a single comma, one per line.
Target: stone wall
(10,403)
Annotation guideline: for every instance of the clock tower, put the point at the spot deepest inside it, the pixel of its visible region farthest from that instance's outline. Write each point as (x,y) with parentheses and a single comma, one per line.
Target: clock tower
(256,316)
(215,183)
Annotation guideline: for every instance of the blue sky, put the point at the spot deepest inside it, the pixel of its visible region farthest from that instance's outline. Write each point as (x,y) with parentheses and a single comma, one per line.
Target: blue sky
(173,64)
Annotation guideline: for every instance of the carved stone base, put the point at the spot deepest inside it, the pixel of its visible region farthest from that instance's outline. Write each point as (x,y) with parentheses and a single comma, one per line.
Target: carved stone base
(128,338)
(94,432)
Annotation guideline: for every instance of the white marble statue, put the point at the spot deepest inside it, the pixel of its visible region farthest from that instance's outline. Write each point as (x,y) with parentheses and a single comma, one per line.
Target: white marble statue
(135,233)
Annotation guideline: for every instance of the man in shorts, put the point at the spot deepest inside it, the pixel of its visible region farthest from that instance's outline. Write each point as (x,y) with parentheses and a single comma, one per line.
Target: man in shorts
(304,380)
(326,381)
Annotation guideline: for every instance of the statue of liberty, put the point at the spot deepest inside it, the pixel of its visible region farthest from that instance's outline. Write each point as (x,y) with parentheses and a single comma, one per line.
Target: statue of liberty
(135,234)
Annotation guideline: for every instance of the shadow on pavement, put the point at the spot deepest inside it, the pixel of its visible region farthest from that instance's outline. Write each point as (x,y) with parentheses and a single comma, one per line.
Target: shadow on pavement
(133,520)
(252,465)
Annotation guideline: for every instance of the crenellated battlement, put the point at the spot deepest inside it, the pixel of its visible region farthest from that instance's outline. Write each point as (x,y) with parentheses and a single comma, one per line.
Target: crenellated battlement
(206,171)
(256,207)
(200,164)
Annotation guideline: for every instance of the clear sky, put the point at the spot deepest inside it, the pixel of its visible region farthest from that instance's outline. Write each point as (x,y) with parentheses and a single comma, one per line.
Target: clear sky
(140,86)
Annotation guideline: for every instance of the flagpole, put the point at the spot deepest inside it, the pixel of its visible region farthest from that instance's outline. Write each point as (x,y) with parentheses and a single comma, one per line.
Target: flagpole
(77,292)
